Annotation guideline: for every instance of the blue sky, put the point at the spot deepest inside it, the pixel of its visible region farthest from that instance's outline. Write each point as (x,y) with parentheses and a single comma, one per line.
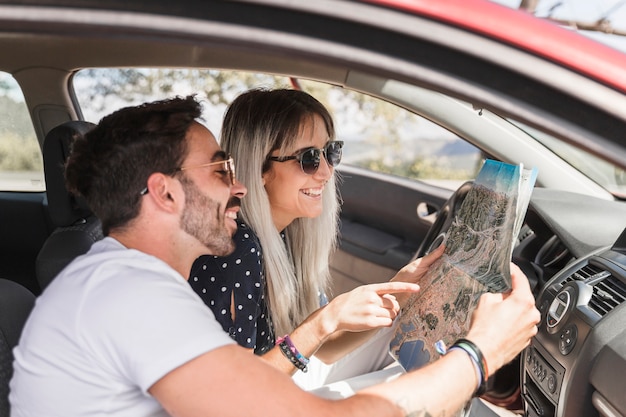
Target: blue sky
(588,11)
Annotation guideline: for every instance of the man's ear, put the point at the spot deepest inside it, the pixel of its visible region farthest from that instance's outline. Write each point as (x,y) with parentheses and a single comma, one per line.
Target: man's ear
(164,190)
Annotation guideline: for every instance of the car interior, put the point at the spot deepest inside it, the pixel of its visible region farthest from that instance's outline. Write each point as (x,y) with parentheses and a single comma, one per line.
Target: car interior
(506,103)
(76,228)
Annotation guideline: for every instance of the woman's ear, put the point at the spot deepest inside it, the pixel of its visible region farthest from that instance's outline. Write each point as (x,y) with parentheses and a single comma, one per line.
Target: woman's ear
(267,176)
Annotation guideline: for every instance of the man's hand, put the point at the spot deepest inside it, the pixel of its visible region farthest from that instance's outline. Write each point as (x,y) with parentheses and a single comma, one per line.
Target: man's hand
(503,324)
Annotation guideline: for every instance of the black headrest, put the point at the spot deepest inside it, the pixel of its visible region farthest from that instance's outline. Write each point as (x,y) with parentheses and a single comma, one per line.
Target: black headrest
(65,208)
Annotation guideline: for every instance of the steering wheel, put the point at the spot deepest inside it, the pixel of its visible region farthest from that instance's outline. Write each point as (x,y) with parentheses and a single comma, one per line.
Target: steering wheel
(442,223)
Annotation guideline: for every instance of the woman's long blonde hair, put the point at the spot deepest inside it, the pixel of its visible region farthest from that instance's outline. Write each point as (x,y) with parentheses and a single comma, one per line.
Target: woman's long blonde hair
(257,123)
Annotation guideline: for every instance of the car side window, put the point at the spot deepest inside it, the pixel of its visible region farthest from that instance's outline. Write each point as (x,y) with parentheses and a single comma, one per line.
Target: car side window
(378,135)
(387,138)
(21,163)
(101,91)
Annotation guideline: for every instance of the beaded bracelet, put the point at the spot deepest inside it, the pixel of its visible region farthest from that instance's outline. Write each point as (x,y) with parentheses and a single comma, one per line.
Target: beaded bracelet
(478,360)
(291,352)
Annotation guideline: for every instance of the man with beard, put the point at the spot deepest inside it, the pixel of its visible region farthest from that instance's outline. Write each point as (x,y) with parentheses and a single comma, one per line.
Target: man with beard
(120,332)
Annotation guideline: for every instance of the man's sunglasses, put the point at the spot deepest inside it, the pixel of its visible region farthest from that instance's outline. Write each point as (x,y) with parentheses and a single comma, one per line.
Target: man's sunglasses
(310,158)
(228,166)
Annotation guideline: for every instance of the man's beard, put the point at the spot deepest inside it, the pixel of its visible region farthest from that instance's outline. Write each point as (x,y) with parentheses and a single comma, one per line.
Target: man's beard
(203,218)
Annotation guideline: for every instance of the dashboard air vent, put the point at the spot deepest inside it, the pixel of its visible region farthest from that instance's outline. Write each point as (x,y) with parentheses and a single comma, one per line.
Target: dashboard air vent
(586,274)
(607,294)
(590,273)
(608,291)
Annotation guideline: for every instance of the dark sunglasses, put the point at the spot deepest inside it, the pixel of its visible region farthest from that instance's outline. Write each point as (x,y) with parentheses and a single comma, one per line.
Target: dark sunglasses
(310,158)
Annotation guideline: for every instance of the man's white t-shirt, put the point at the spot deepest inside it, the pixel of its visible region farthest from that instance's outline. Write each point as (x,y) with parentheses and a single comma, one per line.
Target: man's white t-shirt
(104,331)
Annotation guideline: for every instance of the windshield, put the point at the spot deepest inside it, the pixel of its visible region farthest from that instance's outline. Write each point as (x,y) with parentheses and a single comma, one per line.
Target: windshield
(609,176)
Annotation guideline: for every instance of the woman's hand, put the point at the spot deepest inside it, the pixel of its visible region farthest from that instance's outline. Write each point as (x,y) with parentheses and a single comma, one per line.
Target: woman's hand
(365,307)
(415,270)
(343,323)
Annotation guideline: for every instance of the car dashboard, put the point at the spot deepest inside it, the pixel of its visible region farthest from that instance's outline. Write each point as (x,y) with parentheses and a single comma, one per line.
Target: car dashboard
(573,249)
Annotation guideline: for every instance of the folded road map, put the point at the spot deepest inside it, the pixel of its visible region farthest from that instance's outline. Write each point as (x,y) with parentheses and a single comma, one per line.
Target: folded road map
(479,245)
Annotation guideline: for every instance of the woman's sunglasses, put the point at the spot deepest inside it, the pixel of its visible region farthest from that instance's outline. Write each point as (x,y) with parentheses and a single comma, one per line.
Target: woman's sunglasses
(310,158)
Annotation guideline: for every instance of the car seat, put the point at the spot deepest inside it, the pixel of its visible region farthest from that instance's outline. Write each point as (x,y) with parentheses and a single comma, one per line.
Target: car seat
(76,227)
(16,302)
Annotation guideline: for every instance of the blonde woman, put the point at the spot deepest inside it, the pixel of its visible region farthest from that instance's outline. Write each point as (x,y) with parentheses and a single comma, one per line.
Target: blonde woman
(270,294)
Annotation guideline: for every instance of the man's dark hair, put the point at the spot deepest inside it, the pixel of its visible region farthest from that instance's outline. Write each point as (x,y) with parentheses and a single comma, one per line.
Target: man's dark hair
(111,164)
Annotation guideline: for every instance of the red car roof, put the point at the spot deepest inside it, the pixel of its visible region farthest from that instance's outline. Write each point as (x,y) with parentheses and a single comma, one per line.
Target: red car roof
(527,32)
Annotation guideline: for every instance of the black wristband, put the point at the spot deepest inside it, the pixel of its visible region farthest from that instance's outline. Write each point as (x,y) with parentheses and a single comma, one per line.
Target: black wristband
(479,360)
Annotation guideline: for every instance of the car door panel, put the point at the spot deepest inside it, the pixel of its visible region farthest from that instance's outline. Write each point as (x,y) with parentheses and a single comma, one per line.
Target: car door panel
(384,219)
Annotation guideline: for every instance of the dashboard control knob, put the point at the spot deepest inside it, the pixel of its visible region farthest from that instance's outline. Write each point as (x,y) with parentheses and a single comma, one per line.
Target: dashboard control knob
(567,339)
(552,383)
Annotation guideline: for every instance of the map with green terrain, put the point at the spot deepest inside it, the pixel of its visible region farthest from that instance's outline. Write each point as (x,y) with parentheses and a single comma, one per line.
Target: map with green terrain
(477,256)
